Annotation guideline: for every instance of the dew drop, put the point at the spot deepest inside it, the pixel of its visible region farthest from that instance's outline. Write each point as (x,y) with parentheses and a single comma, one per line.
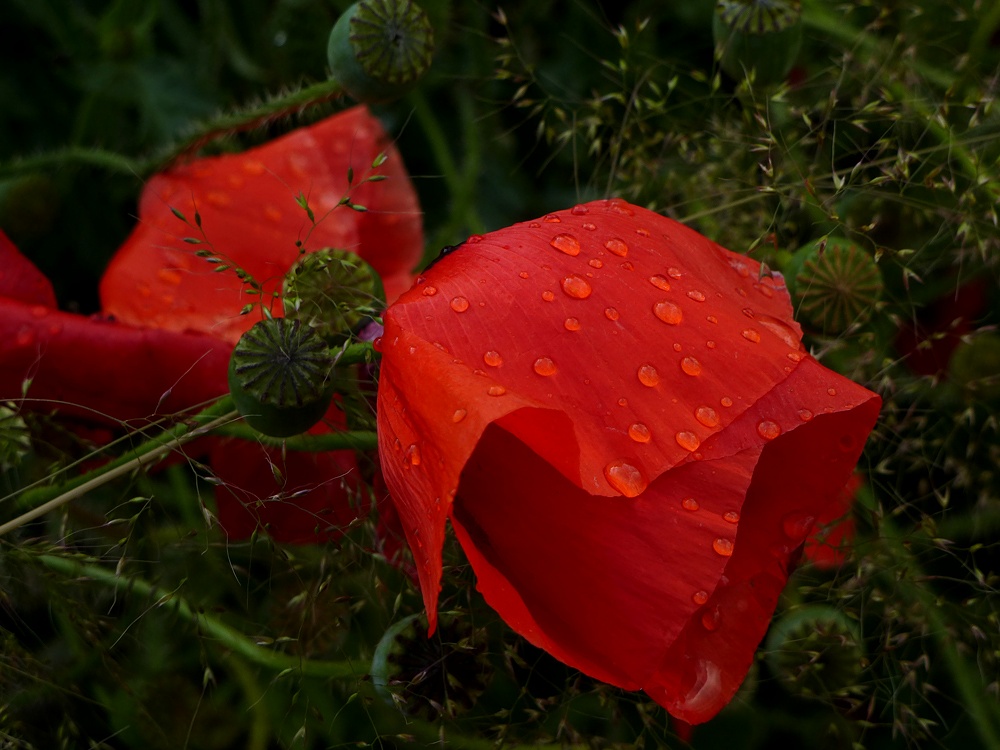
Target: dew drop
(377,344)
(611,313)
(797,525)
(687,440)
(590,227)
(459,415)
(660,282)
(552,219)
(639,432)
(731,516)
(699,597)
(577,287)
(566,243)
(794,356)
(493,359)
(691,366)
(548,296)
(642,232)
(413,455)
(627,266)
(805,415)
(571,324)
(689,503)
(707,416)
(712,319)
(677,347)
(674,273)
(748,312)
(723,547)
(523,274)
(617,247)
(831,391)
(768,430)
(726,401)
(710,344)
(534,225)
(474,239)
(696,295)
(648,376)
(668,312)
(459,304)
(496,390)
(751,335)
(625,478)
(595,263)
(545,366)
(623,401)
(579,210)
(430,291)
(618,206)
(710,620)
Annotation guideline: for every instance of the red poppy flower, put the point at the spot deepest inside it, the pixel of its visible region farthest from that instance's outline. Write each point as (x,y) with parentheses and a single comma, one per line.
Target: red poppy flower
(620,422)
(92,367)
(249,214)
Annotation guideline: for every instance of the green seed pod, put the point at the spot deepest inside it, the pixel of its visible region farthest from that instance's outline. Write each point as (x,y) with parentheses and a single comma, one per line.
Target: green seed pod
(835,285)
(760,35)
(279,377)
(975,368)
(334,292)
(816,652)
(379,48)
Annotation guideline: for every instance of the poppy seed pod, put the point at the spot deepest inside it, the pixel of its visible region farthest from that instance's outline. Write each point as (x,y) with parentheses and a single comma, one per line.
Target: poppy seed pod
(619,420)
(379,48)
(279,377)
(759,35)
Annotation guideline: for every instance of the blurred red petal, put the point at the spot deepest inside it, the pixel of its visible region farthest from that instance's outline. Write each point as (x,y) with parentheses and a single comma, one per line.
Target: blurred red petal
(246,205)
(829,544)
(542,372)
(103,370)
(298,497)
(20,280)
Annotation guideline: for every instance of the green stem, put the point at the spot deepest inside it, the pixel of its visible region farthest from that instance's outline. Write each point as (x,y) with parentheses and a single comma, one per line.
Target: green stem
(71,155)
(44,499)
(359,440)
(361,352)
(982,711)
(227,636)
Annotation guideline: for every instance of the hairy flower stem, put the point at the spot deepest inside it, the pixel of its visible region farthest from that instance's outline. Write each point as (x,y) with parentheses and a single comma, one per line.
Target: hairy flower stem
(44,499)
(359,440)
(228,637)
(969,682)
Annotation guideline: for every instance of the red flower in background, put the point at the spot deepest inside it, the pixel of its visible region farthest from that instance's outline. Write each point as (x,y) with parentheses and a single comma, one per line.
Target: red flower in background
(250,216)
(619,419)
(175,320)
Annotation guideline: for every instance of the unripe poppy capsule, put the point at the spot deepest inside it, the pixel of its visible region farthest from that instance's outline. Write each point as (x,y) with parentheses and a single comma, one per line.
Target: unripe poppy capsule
(279,377)
(760,35)
(379,48)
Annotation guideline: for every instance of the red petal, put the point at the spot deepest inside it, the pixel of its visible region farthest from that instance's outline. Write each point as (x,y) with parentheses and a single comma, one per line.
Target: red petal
(20,280)
(249,217)
(550,332)
(301,497)
(103,370)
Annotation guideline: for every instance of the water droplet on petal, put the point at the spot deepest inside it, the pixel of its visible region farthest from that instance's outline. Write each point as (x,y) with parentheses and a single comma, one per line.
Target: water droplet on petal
(831,391)
(642,232)
(748,312)
(545,366)
(474,239)
(805,415)
(751,335)
(710,619)
(595,263)
(552,219)
(706,694)
(430,291)
(691,366)
(617,247)
(723,547)
(797,525)
(668,312)
(674,273)
(459,304)
(548,296)
(726,401)
(689,503)
(611,313)
(493,359)
(496,390)
(710,344)
(571,324)
(648,375)
(660,282)
(459,415)
(579,210)
(795,356)
(523,274)
(413,455)
(687,440)
(566,243)
(589,226)
(625,478)
(623,402)
(699,597)
(639,432)
(618,206)
(768,430)
(712,319)
(731,516)
(696,295)
(707,416)
(577,287)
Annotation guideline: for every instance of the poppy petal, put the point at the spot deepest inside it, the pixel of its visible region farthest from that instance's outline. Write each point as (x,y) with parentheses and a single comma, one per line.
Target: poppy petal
(592,398)
(244,209)
(20,279)
(103,370)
